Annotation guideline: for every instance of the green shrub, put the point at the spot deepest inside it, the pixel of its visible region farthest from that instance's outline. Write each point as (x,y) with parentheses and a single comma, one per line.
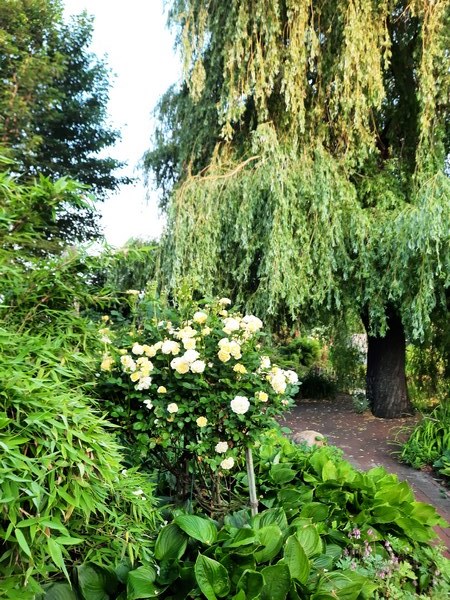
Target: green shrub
(193,392)
(298,353)
(429,442)
(318,384)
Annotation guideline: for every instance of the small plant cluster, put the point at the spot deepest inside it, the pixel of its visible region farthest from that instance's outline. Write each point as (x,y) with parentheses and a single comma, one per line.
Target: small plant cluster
(429,442)
(195,385)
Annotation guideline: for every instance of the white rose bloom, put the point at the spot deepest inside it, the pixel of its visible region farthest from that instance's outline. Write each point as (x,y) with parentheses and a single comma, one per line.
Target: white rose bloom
(265,362)
(190,356)
(170,347)
(227,463)
(240,405)
(230,324)
(189,343)
(148,404)
(149,351)
(180,365)
(137,349)
(206,330)
(221,447)
(127,362)
(251,323)
(278,383)
(200,317)
(291,376)
(198,366)
(143,384)
(235,350)
(172,408)
(224,301)
(186,332)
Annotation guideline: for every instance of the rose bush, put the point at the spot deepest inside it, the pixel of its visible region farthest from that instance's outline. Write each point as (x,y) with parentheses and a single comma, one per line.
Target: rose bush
(196,383)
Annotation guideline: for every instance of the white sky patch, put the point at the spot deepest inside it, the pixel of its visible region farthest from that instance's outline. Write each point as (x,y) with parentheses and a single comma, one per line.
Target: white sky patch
(139,51)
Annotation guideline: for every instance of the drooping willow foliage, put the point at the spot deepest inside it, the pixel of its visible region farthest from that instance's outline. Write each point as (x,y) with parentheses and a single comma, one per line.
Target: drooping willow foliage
(304,155)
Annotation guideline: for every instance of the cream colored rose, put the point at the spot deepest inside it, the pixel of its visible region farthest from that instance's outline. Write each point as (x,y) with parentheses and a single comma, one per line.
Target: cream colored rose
(240,405)
(161,390)
(227,463)
(170,347)
(172,408)
(144,383)
(224,356)
(224,301)
(230,324)
(262,396)
(107,363)
(189,343)
(180,365)
(137,349)
(198,366)
(202,421)
(200,317)
(239,368)
(221,447)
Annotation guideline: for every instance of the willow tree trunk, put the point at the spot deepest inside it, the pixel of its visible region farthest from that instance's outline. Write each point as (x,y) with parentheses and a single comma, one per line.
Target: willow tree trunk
(386,379)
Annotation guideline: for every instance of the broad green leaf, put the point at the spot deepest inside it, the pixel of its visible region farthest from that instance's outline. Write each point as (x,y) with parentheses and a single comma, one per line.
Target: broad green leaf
(171,543)
(95,582)
(345,585)
(140,584)
(22,542)
(251,582)
(60,591)
(198,528)
(271,539)
(309,540)
(296,559)
(316,511)
(281,474)
(212,578)
(277,582)
(329,471)
(416,530)
(272,516)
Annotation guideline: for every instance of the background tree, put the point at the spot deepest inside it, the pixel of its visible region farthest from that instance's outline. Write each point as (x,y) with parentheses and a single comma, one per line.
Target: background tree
(325,187)
(53,102)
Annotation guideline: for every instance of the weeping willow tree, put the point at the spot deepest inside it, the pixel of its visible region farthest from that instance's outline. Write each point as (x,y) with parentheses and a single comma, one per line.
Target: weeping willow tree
(303,164)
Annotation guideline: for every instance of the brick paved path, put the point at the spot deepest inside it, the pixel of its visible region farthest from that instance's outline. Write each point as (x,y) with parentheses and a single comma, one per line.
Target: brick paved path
(368,442)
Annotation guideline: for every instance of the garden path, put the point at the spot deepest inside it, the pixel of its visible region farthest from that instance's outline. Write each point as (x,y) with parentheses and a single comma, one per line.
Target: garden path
(368,442)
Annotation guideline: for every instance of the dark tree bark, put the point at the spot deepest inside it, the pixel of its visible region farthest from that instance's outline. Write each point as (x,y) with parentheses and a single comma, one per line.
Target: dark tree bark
(385,378)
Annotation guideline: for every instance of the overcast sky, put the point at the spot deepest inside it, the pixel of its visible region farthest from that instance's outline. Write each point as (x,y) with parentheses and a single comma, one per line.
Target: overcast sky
(139,50)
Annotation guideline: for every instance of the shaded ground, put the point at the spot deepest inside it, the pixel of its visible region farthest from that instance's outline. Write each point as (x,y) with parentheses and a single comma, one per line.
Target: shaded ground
(368,442)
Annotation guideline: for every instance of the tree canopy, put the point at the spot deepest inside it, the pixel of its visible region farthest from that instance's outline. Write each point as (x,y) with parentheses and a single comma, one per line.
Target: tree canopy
(53,102)
(324,132)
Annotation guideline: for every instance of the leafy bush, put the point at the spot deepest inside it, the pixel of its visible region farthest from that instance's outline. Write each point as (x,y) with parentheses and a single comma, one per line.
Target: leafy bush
(327,531)
(318,384)
(194,390)
(429,442)
(298,353)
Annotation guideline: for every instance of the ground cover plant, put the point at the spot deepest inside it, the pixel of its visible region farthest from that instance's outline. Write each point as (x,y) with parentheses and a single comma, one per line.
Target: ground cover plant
(429,442)
(325,531)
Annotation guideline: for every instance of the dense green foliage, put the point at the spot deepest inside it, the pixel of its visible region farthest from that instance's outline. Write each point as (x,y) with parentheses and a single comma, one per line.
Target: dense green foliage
(327,531)
(64,496)
(429,442)
(306,156)
(53,102)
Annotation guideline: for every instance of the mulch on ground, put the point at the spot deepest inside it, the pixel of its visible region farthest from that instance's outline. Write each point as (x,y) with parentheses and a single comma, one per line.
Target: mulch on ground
(368,442)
